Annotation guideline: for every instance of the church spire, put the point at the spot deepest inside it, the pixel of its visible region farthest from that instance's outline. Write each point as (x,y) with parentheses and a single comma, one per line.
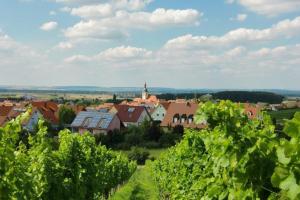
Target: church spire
(145,87)
(145,93)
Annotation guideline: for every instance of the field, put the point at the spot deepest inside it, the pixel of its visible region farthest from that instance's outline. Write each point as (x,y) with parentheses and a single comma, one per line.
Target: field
(54,95)
(281,115)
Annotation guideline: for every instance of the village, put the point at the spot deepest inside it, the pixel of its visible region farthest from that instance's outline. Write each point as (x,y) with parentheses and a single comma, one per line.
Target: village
(102,118)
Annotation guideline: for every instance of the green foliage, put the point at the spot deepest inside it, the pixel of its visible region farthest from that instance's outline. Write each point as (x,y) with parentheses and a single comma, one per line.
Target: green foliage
(66,115)
(140,155)
(287,172)
(234,158)
(77,169)
(140,186)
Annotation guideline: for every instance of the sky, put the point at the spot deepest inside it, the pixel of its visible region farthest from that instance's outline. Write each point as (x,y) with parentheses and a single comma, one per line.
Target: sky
(215,44)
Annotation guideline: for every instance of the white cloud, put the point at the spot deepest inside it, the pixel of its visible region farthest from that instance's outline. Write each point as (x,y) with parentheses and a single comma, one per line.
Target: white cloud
(65,45)
(93,29)
(107,9)
(117,4)
(93,11)
(131,4)
(117,26)
(117,54)
(270,7)
(240,17)
(285,28)
(49,26)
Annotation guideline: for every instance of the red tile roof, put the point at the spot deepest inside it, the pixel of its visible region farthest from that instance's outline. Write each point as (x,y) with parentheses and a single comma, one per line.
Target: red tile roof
(180,109)
(4,110)
(252,110)
(48,109)
(125,115)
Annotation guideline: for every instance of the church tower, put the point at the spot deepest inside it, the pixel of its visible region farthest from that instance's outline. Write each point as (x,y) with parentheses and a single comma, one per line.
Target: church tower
(145,93)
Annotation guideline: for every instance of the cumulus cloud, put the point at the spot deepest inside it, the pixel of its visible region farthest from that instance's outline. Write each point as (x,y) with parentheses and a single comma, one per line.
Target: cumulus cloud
(93,11)
(65,45)
(118,4)
(117,54)
(285,28)
(270,7)
(49,26)
(118,25)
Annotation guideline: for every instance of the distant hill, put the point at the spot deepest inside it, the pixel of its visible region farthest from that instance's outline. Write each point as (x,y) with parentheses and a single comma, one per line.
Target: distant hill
(249,96)
(137,90)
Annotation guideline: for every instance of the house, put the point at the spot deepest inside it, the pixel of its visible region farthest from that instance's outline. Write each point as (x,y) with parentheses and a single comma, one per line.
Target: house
(252,110)
(146,100)
(159,112)
(4,111)
(95,122)
(8,113)
(131,115)
(49,111)
(34,117)
(181,114)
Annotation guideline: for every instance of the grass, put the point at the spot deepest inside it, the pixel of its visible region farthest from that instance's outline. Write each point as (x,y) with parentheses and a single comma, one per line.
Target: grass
(281,115)
(140,186)
(155,153)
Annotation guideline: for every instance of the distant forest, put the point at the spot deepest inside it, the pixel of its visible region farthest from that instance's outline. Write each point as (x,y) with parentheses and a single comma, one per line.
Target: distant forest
(235,96)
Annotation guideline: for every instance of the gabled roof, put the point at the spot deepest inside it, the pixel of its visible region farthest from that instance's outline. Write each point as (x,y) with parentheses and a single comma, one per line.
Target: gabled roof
(45,105)
(48,109)
(165,104)
(4,110)
(187,109)
(128,113)
(93,120)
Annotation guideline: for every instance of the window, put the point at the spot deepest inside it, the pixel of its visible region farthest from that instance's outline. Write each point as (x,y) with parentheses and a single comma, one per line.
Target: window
(190,119)
(176,118)
(183,118)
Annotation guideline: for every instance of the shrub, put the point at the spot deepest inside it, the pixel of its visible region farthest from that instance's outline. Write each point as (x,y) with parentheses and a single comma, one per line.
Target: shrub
(140,155)
(133,138)
(151,145)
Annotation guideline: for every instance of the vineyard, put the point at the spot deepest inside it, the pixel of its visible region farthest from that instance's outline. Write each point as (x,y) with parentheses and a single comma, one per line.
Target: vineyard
(233,158)
(74,167)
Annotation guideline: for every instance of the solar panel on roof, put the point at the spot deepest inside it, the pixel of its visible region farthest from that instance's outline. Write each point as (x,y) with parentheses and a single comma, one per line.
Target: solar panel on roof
(96,117)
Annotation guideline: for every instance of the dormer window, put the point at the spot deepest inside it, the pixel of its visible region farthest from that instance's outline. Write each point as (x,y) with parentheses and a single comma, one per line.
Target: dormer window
(190,119)
(183,118)
(176,118)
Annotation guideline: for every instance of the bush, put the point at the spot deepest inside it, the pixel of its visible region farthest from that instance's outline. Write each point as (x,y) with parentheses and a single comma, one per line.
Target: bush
(134,138)
(169,139)
(151,145)
(140,155)
(122,146)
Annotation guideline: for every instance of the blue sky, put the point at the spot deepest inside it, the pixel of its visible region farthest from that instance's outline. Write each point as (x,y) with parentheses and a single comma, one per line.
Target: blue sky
(247,44)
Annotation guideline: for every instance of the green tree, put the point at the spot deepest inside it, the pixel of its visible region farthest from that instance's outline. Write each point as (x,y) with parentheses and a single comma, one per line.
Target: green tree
(66,115)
